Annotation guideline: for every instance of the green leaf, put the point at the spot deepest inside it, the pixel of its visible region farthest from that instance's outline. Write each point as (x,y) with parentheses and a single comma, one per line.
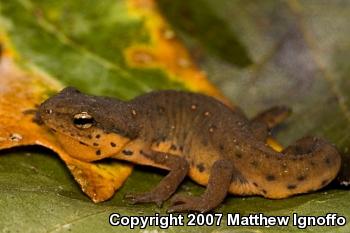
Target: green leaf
(81,44)
(300,52)
(196,18)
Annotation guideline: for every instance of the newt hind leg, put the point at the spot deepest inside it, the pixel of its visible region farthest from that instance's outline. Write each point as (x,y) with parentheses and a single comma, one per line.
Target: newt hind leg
(220,179)
(178,167)
(266,120)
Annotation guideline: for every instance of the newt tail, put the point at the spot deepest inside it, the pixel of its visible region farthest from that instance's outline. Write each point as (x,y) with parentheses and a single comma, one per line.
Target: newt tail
(308,165)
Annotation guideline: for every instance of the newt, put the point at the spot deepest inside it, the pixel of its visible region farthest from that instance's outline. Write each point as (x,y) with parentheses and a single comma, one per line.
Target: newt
(193,135)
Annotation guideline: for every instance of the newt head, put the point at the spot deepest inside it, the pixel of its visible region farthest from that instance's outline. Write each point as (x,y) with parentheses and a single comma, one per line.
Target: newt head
(88,127)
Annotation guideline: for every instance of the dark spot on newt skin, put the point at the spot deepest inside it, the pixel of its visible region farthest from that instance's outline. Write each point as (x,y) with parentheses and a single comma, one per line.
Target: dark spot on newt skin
(98,152)
(301,178)
(238,155)
(113,144)
(95,144)
(89,136)
(264,191)
(270,177)
(312,163)
(172,147)
(98,136)
(129,152)
(221,147)
(327,161)
(181,148)
(72,134)
(291,186)
(255,184)
(200,167)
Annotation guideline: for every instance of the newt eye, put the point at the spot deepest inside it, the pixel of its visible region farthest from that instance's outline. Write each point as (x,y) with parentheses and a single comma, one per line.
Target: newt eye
(83,120)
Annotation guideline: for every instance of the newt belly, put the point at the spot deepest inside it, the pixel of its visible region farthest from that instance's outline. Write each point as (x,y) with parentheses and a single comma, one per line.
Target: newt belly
(190,134)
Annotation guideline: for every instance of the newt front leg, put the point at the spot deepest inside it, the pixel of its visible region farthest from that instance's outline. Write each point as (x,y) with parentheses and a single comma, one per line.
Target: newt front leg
(178,167)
